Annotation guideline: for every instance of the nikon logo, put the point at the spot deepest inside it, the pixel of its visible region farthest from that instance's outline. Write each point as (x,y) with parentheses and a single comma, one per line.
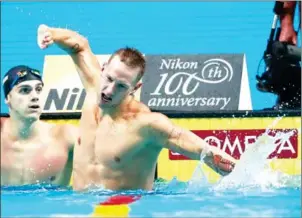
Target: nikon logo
(70,99)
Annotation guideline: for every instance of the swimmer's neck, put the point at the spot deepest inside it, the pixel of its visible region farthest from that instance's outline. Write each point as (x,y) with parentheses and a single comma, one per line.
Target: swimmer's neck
(119,110)
(22,128)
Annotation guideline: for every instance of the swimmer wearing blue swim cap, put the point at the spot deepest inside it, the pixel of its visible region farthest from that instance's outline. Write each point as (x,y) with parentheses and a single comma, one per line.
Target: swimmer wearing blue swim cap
(17,75)
(32,151)
(120,138)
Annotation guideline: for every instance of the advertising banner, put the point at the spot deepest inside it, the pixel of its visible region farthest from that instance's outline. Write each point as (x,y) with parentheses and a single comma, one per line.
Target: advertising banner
(196,83)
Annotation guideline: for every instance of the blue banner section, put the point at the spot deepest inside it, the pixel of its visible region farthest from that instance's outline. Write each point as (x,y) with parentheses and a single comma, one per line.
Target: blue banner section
(152,27)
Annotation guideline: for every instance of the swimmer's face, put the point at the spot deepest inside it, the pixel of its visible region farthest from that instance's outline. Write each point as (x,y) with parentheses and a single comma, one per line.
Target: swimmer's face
(24,100)
(117,81)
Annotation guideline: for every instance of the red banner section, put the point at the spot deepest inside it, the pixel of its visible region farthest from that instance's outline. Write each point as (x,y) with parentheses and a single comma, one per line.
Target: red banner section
(234,142)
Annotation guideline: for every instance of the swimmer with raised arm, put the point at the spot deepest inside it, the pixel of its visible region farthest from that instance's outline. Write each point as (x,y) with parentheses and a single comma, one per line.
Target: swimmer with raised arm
(32,151)
(120,138)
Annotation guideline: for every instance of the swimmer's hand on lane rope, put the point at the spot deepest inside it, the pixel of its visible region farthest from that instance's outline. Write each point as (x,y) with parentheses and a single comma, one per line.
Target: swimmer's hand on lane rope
(44,37)
(213,157)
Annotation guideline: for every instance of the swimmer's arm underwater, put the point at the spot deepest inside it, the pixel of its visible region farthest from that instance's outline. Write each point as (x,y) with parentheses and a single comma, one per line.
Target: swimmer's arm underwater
(77,46)
(185,142)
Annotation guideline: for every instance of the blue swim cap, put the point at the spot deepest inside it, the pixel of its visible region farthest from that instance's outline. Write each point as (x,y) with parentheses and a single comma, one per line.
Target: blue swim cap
(17,75)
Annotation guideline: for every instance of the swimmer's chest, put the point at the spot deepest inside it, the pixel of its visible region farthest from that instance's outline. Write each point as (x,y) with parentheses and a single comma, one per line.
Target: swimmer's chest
(40,156)
(118,142)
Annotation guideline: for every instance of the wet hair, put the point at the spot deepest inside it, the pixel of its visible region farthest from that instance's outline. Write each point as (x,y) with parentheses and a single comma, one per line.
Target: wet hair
(132,58)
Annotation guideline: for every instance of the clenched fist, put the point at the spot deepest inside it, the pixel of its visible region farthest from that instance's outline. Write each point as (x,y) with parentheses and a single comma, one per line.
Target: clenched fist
(44,36)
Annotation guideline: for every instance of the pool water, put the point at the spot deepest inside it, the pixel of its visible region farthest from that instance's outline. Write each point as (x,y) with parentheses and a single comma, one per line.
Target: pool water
(168,199)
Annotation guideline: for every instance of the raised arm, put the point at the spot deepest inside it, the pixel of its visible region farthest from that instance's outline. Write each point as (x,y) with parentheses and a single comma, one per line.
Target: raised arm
(185,142)
(78,48)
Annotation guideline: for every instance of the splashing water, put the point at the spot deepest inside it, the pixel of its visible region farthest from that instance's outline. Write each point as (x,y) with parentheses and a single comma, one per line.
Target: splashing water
(253,169)
(198,180)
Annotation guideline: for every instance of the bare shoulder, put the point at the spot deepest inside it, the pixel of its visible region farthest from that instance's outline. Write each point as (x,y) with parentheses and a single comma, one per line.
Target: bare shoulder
(47,127)
(155,127)
(65,132)
(63,129)
(154,120)
(136,111)
(138,107)
(143,107)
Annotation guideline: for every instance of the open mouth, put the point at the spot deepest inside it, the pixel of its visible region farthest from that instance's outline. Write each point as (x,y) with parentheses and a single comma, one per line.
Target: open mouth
(105,98)
(34,107)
